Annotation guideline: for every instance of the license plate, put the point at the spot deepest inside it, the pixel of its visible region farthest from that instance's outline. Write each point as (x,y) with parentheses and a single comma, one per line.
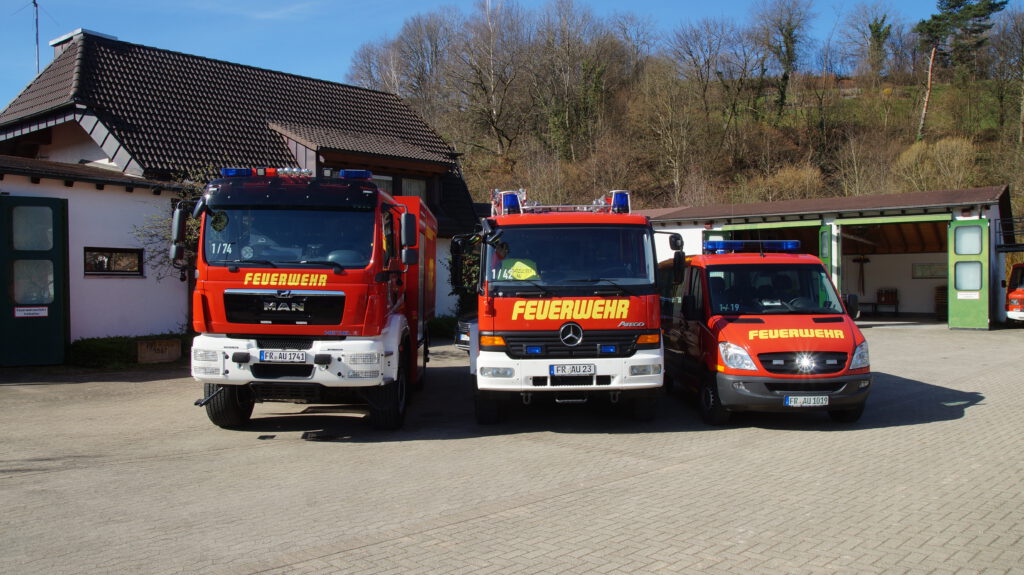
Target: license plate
(806,400)
(574,369)
(283,356)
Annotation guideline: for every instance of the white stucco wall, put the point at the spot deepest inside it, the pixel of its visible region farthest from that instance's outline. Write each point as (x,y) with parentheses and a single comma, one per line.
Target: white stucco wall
(444,304)
(895,271)
(73,146)
(102,306)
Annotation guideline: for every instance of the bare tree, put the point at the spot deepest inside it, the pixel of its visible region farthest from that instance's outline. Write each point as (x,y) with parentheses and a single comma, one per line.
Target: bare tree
(698,50)
(783,30)
(492,60)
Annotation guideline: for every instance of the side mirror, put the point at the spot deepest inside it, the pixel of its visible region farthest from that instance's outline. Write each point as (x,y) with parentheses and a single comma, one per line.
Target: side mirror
(408,225)
(178,226)
(410,256)
(852,303)
(675,241)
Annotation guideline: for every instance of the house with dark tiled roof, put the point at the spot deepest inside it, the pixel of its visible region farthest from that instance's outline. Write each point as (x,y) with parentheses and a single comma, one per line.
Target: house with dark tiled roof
(937,254)
(142,114)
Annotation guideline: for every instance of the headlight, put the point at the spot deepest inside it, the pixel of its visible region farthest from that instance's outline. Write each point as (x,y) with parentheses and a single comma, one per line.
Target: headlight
(735,356)
(648,369)
(497,372)
(1014,302)
(860,357)
(205,354)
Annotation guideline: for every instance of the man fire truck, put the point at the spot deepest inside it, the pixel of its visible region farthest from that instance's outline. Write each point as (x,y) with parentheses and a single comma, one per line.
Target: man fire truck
(761,331)
(309,290)
(567,305)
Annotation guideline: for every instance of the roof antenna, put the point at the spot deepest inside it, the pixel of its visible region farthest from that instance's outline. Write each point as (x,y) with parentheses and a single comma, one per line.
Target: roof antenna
(35,9)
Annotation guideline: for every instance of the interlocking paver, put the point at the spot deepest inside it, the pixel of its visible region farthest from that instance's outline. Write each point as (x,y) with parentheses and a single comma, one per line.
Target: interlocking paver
(118,473)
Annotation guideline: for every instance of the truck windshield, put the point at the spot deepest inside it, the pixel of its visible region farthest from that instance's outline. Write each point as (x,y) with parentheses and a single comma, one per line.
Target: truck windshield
(271,236)
(571,256)
(771,289)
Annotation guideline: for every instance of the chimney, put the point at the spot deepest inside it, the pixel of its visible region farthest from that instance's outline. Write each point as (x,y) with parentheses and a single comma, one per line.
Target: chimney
(62,43)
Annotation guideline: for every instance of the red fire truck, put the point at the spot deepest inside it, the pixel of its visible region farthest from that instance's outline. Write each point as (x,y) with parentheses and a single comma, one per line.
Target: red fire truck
(567,305)
(761,331)
(309,290)
(1015,294)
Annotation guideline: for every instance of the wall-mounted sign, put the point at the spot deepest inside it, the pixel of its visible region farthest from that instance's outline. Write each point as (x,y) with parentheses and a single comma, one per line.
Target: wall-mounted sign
(929,271)
(40,311)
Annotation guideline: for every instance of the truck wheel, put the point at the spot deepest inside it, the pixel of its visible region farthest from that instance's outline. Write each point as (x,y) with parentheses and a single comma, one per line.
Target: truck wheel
(487,406)
(709,402)
(846,415)
(232,407)
(387,408)
(645,407)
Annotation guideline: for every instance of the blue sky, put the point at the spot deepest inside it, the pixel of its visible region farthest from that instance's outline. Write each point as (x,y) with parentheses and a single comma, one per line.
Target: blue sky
(307,37)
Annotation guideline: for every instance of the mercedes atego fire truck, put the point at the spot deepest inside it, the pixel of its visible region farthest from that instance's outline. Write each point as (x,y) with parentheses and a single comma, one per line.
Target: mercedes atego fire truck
(567,305)
(309,289)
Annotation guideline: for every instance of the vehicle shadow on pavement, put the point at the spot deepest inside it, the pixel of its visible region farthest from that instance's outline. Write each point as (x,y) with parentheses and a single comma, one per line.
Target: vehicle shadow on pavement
(444,410)
(67,374)
(894,402)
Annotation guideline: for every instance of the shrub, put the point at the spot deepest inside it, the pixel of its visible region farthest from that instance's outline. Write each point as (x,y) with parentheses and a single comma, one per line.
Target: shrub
(115,352)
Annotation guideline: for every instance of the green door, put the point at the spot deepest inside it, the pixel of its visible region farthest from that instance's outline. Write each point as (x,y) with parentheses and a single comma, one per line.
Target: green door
(33,270)
(968,274)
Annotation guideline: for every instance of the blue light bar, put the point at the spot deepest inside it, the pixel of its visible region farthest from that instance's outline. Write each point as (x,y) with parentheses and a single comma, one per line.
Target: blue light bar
(607,348)
(620,202)
(235,172)
(534,349)
(510,203)
(723,246)
(355,174)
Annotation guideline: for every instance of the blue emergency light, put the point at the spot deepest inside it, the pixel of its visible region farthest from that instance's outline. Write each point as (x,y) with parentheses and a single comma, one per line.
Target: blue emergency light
(510,203)
(609,348)
(534,349)
(348,174)
(235,172)
(724,246)
(620,202)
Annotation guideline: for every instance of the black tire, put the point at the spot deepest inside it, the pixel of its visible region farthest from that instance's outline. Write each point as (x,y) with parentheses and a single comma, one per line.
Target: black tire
(709,403)
(846,415)
(388,402)
(645,407)
(487,406)
(232,407)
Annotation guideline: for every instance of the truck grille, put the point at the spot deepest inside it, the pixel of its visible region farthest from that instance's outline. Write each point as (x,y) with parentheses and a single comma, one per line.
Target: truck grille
(787,362)
(547,345)
(557,380)
(284,307)
(804,386)
(284,343)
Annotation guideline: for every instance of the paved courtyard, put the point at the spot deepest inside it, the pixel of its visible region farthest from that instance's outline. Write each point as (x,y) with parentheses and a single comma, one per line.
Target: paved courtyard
(118,473)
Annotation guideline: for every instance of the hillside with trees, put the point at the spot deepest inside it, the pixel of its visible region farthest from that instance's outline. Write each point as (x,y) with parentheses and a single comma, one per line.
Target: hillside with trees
(567,104)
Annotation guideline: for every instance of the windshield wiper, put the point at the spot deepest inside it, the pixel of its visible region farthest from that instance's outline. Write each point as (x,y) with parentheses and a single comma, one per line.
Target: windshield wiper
(543,290)
(622,289)
(335,265)
(254,262)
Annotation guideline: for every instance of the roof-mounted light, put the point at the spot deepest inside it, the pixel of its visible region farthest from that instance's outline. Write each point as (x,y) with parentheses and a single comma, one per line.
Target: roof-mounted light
(347,174)
(510,203)
(726,246)
(620,202)
(263,172)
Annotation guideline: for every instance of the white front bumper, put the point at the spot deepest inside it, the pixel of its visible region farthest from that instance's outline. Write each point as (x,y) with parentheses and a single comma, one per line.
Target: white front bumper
(353,362)
(613,373)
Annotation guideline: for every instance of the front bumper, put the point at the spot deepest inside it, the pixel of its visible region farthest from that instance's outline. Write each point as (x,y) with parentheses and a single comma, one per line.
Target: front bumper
(643,370)
(1015,315)
(353,362)
(768,394)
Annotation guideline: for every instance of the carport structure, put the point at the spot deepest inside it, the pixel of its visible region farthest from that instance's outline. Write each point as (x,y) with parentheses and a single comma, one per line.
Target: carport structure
(934,253)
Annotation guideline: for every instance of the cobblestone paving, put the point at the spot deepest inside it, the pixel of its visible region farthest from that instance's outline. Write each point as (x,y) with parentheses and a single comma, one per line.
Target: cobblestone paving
(119,473)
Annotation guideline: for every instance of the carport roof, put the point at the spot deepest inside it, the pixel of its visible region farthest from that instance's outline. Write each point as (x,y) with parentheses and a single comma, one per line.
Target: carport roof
(845,205)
